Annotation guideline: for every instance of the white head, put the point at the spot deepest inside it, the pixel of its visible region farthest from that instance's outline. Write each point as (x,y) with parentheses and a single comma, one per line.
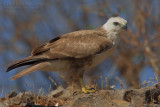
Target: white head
(115,24)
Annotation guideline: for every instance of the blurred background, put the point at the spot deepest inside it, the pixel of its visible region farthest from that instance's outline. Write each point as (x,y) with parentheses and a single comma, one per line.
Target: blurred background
(25,24)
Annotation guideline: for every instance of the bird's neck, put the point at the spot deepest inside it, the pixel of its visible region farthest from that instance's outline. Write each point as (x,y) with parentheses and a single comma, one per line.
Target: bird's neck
(113,36)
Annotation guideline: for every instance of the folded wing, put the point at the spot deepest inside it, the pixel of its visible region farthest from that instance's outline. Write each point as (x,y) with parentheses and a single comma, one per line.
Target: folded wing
(75,45)
(79,44)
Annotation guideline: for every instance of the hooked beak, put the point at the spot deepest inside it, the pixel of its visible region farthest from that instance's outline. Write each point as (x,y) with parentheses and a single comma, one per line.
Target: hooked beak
(124,26)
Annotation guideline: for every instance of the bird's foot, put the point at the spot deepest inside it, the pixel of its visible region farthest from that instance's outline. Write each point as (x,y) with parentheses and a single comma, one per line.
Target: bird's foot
(84,90)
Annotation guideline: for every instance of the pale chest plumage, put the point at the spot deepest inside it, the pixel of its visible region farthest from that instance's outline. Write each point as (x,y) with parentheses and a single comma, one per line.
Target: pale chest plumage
(99,58)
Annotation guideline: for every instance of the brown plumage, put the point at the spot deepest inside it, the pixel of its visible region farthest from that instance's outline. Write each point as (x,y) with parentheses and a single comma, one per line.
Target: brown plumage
(72,53)
(71,45)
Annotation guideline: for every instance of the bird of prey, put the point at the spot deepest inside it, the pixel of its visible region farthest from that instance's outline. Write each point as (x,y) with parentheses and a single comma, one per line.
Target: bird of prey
(74,53)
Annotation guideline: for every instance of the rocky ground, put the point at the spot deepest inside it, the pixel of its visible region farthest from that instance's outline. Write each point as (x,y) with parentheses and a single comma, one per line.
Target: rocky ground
(148,96)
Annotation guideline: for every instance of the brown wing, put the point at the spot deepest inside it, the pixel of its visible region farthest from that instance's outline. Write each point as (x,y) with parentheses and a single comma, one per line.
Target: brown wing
(77,44)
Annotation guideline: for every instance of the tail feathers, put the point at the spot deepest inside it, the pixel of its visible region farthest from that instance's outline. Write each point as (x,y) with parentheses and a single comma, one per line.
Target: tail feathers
(26,61)
(30,70)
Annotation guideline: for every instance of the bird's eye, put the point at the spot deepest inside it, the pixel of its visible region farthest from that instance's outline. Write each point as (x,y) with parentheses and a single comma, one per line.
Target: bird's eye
(115,23)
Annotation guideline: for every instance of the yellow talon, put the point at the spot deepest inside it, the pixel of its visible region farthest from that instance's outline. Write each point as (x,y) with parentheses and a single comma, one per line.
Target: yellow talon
(84,90)
(88,90)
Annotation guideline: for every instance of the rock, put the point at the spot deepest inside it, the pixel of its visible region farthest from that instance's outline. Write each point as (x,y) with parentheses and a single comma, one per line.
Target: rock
(146,95)
(11,95)
(122,103)
(97,99)
(5,103)
(143,97)
(2,99)
(23,105)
